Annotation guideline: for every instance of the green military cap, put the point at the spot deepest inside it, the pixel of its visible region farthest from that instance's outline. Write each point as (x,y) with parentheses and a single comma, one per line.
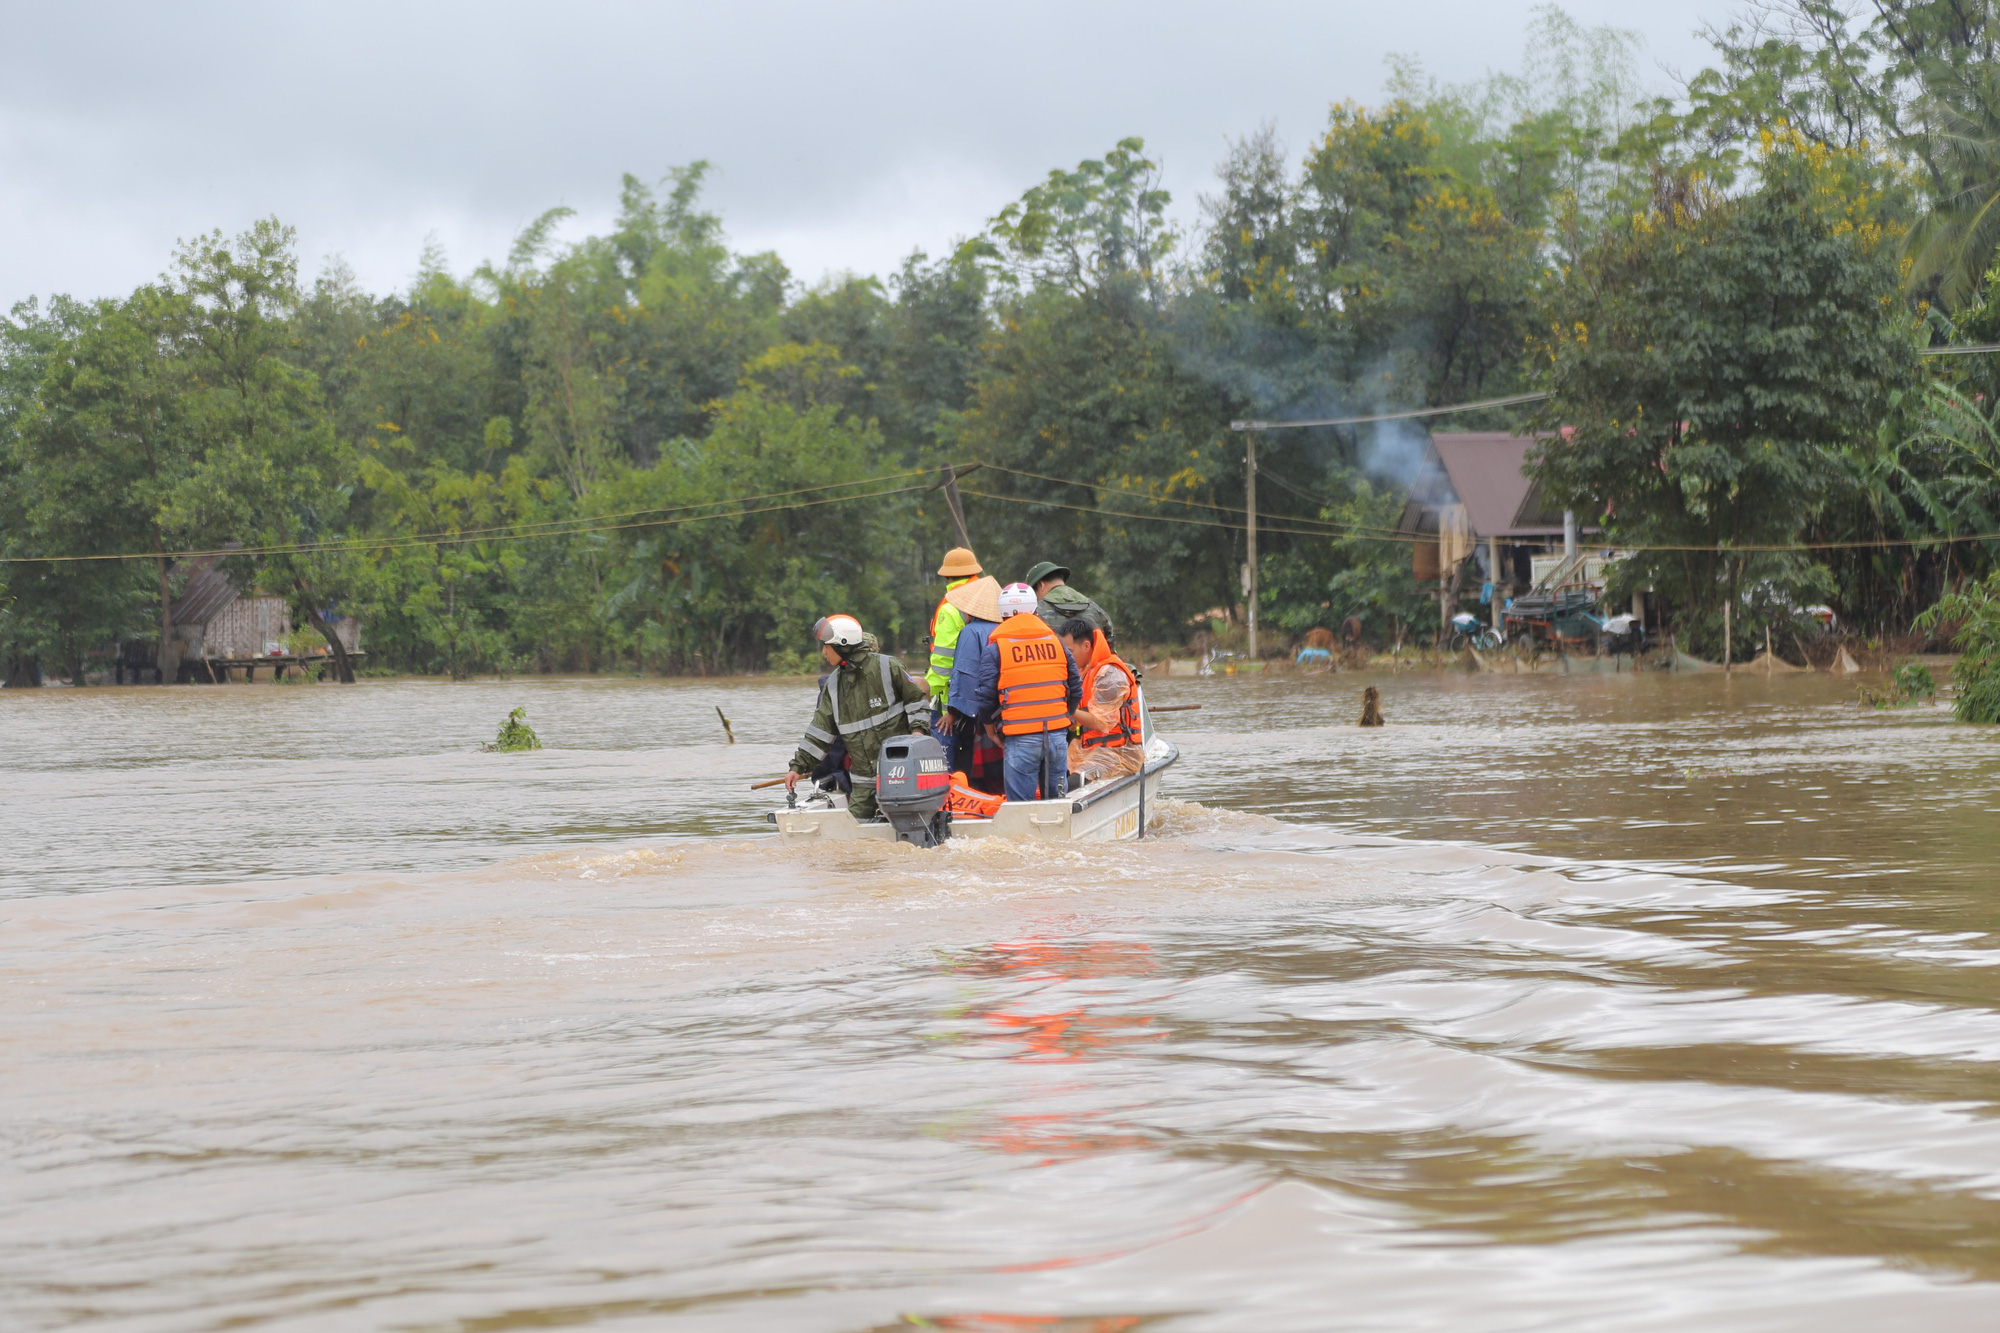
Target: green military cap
(1044,570)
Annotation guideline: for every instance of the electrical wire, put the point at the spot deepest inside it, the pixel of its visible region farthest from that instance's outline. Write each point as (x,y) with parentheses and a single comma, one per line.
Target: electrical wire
(1333,529)
(394,542)
(1195,522)
(1510,400)
(458,533)
(1412,538)
(1281,524)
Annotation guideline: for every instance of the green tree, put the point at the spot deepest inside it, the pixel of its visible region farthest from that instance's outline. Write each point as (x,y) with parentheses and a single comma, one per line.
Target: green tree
(936,326)
(443,583)
(1103,222)
(1083,383)
(1711,356)
(711,583)
(98,451)
(1971,617)
(269,470)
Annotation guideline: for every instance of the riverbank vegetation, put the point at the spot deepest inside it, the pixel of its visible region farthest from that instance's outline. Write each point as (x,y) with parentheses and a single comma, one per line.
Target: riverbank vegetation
(645,449)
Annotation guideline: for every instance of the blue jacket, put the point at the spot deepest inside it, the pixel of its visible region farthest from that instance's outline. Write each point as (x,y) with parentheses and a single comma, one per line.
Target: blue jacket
(975,676)
(977,661)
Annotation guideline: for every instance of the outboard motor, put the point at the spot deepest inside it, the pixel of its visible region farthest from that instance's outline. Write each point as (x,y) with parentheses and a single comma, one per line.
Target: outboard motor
(911,782)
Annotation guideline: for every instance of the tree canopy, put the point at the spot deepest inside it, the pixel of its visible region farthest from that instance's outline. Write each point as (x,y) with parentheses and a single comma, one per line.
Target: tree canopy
(647,449)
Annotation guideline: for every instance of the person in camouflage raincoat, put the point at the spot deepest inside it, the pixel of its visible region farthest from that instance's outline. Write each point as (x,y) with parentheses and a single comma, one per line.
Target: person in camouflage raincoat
(867,698)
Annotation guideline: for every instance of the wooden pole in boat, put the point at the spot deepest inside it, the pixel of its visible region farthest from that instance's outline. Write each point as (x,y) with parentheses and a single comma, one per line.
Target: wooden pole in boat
(949,480)
(774,782)
(1172,708)
(1142,787)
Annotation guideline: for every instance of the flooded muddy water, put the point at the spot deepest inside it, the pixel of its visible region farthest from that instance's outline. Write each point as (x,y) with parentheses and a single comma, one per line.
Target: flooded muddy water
(1559,1003)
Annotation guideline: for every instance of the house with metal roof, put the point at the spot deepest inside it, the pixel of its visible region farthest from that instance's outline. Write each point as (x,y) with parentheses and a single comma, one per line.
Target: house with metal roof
(220,630)
(1475,500)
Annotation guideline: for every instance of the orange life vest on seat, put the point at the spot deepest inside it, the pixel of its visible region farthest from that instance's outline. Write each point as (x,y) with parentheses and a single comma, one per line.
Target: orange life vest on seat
(967,801)
(1127,728)
(1034,676)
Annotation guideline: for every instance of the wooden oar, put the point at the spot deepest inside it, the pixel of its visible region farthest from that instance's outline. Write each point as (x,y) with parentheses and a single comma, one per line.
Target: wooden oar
(1171,708)
(774,782)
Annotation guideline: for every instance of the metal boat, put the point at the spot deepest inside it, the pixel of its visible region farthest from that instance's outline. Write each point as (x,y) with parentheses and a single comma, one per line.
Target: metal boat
(1108,810)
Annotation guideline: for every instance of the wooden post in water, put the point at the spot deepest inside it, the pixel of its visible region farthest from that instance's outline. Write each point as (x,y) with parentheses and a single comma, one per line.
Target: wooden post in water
(1726,645)
(1493,571)
(1250,535)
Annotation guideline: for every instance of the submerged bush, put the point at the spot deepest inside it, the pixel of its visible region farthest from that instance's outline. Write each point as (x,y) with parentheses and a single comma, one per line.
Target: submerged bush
(516,734)
(789,662)
(1975,609)
(1910,683)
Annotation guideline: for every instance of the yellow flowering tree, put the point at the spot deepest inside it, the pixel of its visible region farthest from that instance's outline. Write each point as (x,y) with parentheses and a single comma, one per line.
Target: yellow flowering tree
(1710,356)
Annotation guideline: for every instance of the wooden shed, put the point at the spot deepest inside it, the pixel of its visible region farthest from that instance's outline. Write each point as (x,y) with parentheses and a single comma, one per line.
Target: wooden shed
(215,623)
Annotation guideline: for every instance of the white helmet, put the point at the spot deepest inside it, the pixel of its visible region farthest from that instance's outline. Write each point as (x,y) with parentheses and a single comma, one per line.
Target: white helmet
(1017,599)
(839,632)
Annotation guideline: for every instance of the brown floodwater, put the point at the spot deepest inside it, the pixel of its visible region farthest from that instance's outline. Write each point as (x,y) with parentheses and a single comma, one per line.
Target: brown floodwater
(1664,1002)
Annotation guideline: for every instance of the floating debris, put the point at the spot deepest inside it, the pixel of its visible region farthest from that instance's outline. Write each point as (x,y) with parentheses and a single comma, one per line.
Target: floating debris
(1371,707)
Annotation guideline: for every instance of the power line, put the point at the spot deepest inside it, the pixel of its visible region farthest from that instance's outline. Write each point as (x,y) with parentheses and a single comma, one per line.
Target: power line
(1366,535)
(408,541)
(456,534)
(1508,401)
(1337,529)
(584,526)
(1872,543)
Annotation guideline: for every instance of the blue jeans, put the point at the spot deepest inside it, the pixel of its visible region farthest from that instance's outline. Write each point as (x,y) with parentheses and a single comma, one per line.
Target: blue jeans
(1024,765)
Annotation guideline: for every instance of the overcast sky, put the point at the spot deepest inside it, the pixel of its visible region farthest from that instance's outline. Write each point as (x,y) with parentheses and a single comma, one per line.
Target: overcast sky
(843,135)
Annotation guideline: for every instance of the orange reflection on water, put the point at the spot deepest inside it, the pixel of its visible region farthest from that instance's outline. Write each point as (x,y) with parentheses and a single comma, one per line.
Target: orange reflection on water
(1072,960)
(1073,1034)
(1067,1034)
(1056,1138)
(1010,1323)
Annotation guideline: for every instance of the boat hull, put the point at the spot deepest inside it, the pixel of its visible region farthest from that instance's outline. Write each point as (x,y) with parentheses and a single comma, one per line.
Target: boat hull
(1101,812)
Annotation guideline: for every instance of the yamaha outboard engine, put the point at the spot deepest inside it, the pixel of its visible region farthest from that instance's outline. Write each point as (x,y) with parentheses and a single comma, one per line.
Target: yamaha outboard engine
(911,783)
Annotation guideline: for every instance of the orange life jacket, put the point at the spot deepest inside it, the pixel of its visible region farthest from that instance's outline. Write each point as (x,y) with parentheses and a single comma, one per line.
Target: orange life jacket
(1034,676)
(968,801)
(1127,728)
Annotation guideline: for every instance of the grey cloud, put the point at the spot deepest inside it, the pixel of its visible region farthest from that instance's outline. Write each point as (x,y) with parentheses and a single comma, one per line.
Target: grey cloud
(844,135)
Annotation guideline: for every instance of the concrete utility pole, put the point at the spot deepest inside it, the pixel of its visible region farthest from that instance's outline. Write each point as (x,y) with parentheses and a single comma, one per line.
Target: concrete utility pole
(1569,533)
(1493,569)
(1250,535)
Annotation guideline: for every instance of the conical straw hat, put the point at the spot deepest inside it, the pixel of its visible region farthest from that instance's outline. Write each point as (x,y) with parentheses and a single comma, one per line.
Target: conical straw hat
(979,599)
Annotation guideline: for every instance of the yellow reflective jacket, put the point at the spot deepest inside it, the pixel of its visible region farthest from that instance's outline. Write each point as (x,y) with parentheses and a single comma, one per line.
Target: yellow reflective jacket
(946,622)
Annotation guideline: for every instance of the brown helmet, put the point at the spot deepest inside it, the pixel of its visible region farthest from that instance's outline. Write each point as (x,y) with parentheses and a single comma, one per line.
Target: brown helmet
(960,563)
